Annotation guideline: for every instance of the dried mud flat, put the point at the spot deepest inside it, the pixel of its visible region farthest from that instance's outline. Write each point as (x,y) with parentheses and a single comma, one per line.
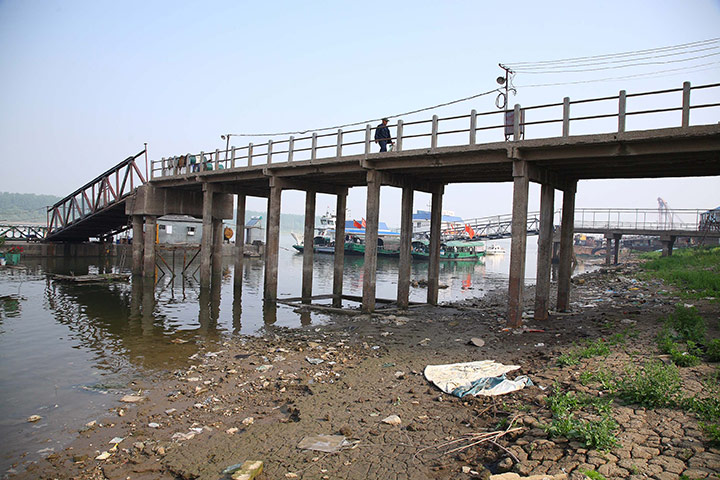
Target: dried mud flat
(257,398)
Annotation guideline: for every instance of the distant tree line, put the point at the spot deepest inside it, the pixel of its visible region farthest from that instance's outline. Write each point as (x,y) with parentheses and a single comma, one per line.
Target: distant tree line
(25,207)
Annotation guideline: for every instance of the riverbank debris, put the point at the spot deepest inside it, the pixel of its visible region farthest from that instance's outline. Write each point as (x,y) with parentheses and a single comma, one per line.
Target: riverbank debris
(247,470)
(485,377)
(95,278)
(34,418)
(392,420)
(325,443)
(132,398)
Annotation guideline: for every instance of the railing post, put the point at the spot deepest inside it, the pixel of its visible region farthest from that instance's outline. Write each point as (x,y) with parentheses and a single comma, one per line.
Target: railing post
(313,146)
(269,153)
(232,157)
(291,147)
(622,101)
(473,126)
(398,140)
(338,153)
(217,159)
(367,139)
(201,165)
(686,105)
(250,154)
(433,135)
(516,122)
(566,117)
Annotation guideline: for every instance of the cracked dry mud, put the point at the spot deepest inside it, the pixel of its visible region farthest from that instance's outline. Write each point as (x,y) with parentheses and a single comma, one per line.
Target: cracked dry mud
(232,405)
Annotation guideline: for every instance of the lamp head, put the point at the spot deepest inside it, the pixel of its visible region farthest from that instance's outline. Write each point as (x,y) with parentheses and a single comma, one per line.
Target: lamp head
(500,80)
(222,136)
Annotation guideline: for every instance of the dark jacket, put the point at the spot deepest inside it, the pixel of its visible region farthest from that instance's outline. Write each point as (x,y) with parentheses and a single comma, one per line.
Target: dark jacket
(382,132)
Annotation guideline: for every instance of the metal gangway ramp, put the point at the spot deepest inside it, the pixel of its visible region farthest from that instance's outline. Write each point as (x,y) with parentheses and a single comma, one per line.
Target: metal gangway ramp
(97,209)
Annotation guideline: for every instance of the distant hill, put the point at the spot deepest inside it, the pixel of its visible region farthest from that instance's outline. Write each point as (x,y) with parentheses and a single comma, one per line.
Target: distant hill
(25,207)
(31,208)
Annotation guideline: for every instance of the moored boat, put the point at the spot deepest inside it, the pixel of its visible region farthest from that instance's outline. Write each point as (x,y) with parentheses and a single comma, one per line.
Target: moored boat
(455,250)
(495,249)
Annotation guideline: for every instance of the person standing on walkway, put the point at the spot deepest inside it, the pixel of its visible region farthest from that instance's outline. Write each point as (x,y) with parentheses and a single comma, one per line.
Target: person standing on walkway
(382,135)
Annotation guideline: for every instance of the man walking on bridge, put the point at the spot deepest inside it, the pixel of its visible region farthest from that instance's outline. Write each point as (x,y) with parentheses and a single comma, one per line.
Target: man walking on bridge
(382,135)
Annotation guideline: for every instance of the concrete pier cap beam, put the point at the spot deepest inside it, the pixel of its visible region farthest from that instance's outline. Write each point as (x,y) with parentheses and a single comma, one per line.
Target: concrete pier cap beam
(156,201)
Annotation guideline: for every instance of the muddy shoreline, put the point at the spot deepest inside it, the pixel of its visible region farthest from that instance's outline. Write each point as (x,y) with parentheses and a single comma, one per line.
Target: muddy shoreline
(258,397)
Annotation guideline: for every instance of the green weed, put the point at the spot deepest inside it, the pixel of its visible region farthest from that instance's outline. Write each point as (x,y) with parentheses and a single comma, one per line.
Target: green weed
(593,475)
(590,349)
(603,377)
(713,350)
(652,385)
(595,433)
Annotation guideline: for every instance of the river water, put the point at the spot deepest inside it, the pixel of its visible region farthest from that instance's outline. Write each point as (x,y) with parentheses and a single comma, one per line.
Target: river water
(68,351)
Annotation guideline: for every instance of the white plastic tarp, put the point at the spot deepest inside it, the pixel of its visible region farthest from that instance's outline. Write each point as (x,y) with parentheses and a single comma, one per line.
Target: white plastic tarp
(485,377)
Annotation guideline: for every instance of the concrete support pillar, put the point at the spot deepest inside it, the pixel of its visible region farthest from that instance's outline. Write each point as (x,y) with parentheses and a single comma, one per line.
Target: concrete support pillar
(339,264)
(137,245)
(372,210)
(403,290)
(217,254)
(608,249)
(434,260)
(206,241)
(239,239)
(616,251)
(308,246)
(566,249)
(149,246)
(272,242)
(544,256)
(667,245)
(521,184)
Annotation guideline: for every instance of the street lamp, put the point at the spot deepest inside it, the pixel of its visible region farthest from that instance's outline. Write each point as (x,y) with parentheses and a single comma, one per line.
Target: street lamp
(227,143)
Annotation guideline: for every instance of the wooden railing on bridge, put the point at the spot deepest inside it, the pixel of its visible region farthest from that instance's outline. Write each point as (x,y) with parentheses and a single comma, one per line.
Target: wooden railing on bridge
(448,131)
(105,191)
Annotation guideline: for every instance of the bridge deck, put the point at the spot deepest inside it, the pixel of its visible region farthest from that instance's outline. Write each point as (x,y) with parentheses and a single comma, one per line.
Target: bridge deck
(673,152)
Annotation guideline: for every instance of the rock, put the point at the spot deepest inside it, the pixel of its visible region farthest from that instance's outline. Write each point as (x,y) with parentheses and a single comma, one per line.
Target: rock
(392,420)
(248,421)
(478,342)
(153,425)
(291,475)
(314,361)
(466,469)
(132,398)
(231,431)
(505,465)
(34,418)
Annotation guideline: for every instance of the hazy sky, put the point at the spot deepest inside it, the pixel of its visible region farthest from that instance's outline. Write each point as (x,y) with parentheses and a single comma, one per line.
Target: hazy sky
(85,83)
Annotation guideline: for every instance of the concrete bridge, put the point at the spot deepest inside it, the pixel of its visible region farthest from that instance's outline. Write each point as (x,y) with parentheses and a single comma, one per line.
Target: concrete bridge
(429,154)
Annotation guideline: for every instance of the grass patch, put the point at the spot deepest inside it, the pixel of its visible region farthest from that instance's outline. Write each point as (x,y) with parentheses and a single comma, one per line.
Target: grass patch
(603,377)
(595,431)
(593,475)
(682,333)
(713,350)
(652,385)
(695,270)
(590,349)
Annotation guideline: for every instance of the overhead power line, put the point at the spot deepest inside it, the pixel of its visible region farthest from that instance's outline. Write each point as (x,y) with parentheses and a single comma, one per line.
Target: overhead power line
(683,46)
(365,122)
(615,67)
(655,74)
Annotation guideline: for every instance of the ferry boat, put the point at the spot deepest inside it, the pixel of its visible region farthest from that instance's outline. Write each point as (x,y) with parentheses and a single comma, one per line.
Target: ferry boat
(324,241)
(456,250)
